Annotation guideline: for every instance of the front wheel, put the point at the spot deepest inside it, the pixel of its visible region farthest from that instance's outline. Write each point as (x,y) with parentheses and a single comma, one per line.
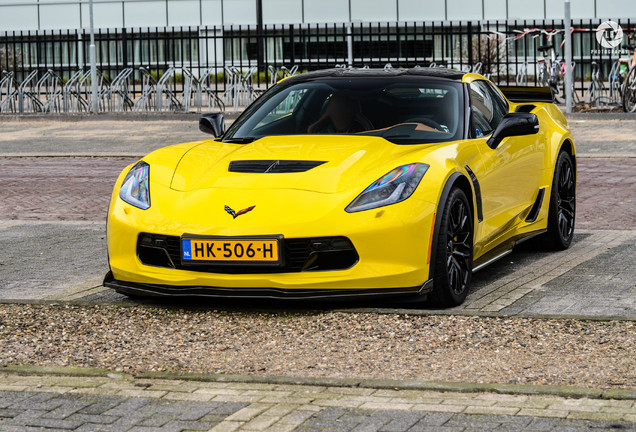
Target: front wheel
(629,92)
(454,257)
(562,212)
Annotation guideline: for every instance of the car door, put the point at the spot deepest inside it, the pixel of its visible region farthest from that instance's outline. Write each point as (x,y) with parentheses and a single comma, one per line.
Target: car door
(509,174)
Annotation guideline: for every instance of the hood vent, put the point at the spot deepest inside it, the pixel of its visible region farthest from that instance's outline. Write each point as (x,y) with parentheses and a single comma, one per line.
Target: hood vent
(273,166)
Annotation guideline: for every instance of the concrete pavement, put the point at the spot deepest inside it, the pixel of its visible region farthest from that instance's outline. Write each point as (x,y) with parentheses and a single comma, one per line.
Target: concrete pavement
(117,402)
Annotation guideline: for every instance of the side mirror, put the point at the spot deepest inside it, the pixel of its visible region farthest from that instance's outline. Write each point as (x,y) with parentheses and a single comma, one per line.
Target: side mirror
(514,124)
(212,124)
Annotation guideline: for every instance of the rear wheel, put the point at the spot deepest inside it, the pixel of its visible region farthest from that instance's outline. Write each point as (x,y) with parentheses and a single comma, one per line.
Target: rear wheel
(454,258)
(562,212)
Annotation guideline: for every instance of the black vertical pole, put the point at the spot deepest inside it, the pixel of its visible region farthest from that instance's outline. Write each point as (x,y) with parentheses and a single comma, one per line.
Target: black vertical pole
(292,45)
(469,27)
(259,35)
(124,47)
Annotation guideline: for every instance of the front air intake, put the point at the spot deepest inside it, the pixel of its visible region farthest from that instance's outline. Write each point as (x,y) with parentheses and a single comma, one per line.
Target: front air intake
(300,255)
(272,166)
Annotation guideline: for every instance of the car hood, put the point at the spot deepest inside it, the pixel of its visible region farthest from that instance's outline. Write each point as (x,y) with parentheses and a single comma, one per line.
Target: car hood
(349,161)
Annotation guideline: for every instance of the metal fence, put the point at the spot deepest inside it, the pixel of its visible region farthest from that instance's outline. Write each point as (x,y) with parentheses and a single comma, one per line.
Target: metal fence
(194,68)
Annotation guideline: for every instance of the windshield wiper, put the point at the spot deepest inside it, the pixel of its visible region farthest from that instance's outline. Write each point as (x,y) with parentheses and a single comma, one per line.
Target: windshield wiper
(242,140)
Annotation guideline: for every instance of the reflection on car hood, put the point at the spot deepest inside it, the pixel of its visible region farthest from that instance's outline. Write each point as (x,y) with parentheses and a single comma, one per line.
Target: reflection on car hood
(349,162)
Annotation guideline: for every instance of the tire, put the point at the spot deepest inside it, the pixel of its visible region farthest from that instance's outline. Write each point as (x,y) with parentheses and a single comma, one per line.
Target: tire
(629,92)
(453,264)
(562,211)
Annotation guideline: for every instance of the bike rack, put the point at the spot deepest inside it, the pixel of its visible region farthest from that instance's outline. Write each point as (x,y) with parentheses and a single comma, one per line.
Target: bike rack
(199,89)
(49,87)
(49,93)
(28,99)
(614,83)
(208,91)
(115,96)
(596,90)
(239,86)
(72,99)
(7,87)
(165,99)
(521,79)
(148,91)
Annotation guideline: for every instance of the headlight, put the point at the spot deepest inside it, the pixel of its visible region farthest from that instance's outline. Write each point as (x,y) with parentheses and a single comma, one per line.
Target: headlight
(135,189)
(395,186)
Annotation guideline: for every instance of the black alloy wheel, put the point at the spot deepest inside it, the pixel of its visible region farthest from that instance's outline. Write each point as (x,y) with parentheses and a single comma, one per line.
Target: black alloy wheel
(454,256)
(562,213)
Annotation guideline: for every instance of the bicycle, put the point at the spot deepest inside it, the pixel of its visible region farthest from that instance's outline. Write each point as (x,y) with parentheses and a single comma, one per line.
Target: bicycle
(557,69)
(629,84)
(548,76)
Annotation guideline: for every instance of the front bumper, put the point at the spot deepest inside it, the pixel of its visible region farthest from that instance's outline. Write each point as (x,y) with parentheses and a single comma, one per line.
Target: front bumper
(392,243)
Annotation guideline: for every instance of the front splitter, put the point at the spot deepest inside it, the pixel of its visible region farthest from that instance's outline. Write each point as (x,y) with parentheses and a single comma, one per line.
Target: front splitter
(156,290)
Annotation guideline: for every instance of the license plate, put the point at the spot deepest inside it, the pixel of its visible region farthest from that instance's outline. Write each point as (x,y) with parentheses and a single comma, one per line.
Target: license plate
(231,250)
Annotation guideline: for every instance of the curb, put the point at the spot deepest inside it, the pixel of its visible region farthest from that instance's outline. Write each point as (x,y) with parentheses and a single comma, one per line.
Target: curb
(191,305)
(570,392)
(618,115)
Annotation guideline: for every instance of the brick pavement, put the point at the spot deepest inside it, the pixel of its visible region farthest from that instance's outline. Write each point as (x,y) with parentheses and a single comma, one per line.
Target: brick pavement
(123,403)
(55,189)
(79,188)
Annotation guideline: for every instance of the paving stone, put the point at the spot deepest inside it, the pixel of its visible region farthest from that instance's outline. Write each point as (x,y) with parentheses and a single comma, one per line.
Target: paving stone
(541,424)
(402,422)
(435,419)
(92,418)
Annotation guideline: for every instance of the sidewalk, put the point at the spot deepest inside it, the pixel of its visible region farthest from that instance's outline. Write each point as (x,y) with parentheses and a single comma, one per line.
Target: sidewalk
(117,402)
(595,135)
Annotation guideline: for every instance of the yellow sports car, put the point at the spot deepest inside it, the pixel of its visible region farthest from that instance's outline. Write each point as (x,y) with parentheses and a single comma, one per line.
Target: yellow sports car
(348,182)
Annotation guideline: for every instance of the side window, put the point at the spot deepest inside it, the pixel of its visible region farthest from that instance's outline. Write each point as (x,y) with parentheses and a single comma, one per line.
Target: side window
(285,108)
(498,99)
(487,108)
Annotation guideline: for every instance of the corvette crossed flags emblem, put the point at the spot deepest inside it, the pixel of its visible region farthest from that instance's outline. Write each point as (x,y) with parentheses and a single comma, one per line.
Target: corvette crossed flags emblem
(238,213)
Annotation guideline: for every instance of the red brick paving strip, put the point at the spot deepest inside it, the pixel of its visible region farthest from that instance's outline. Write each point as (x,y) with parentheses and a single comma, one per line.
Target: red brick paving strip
(79,189)
(55,189)
(606,193)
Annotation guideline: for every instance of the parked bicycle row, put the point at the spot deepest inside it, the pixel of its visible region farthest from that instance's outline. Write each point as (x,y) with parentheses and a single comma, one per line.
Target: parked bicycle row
(173,90)
(616,90)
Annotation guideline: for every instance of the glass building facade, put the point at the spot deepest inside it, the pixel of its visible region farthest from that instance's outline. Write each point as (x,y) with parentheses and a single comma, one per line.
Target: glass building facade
(26,15)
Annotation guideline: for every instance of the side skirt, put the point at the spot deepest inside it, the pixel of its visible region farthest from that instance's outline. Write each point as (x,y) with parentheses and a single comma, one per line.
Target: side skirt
(503,249)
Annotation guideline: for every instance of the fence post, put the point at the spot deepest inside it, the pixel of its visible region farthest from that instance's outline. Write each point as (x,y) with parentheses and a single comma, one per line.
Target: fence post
(260,36)
(568,59)
(124,48)
(292,45)
(469,24)
(93,59)
(349,45)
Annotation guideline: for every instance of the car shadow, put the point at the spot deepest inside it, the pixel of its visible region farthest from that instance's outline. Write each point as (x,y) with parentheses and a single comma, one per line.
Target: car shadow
(523,255)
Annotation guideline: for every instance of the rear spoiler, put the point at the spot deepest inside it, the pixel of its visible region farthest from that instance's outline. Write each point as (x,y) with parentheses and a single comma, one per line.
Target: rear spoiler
(527,93)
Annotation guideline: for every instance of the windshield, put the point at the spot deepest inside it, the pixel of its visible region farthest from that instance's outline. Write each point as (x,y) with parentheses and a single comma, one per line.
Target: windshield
(404,110)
